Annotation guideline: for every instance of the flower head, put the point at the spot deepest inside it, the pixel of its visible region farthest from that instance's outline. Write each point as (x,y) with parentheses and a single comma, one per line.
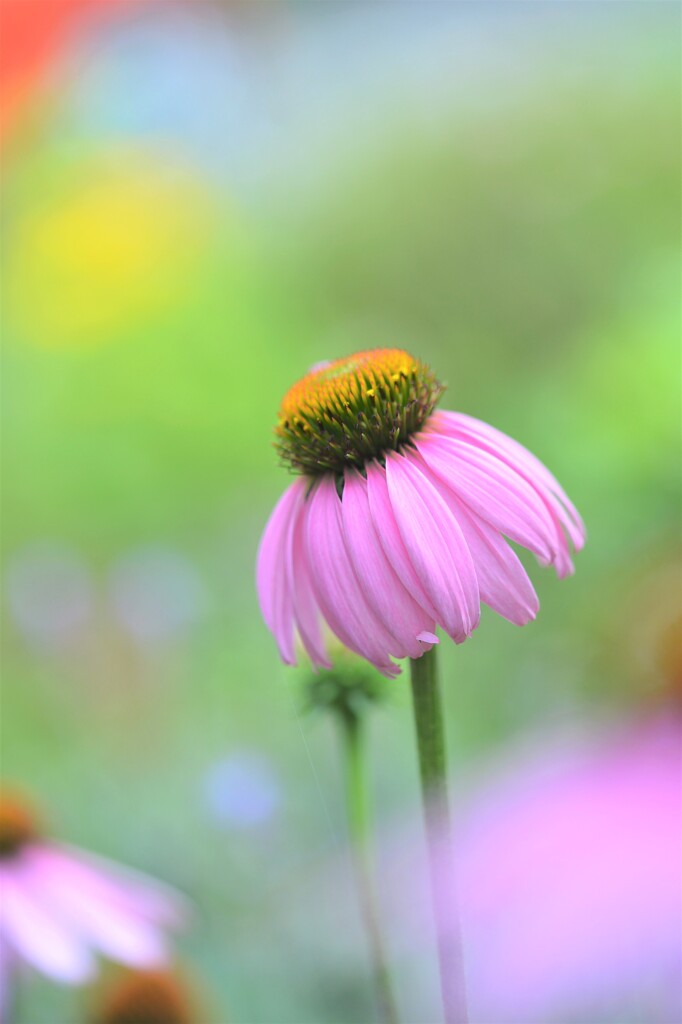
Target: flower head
(59,905)
(397,523)
(344,413)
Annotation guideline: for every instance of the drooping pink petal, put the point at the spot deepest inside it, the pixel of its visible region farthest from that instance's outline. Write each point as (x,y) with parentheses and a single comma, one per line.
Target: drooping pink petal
(465,427)
(132,890)
(306,610)
(563,513)
(435,544)
(274,592)
(391,602)
(337,587)
(492,491)
(391,539)
(427,638)
(93,908)
(37,934)
(503,582)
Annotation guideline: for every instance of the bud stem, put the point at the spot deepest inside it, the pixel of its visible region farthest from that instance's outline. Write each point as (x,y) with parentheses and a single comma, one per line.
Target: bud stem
(358,823)
(428,717)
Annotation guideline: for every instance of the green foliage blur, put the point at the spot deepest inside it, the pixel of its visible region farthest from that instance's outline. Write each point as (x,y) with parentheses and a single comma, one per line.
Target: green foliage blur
(512,216)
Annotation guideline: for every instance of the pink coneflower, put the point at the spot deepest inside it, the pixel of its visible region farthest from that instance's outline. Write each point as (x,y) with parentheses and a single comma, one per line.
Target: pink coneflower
(59,905)
(397,523)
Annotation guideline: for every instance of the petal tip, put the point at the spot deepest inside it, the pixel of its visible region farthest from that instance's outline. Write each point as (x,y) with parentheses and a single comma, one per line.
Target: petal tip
(425,637)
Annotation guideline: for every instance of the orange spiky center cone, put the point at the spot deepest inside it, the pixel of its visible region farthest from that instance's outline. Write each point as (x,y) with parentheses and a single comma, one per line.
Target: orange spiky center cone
(146,997)
(669,657)
(352,410)
(18,825)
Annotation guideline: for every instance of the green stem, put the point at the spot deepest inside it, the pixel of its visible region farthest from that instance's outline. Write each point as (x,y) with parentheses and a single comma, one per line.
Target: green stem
(14,1000)
(428,717)
(358,822)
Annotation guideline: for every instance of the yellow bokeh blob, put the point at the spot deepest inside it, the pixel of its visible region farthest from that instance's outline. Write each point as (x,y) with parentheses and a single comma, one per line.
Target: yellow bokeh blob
(106,254)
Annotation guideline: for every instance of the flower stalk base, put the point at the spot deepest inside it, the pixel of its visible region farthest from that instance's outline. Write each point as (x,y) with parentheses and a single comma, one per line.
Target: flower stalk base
(428,717)
(358,823)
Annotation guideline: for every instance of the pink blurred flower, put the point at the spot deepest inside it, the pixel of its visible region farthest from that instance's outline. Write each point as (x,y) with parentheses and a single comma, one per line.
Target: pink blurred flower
(398,521)
(60,905)
(569,874)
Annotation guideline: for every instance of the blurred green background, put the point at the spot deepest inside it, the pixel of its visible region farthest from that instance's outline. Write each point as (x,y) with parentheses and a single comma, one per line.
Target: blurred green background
(202,200)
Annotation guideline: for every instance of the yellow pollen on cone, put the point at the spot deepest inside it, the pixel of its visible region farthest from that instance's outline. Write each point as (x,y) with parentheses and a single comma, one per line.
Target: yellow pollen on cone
(340,382)
(352,410)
